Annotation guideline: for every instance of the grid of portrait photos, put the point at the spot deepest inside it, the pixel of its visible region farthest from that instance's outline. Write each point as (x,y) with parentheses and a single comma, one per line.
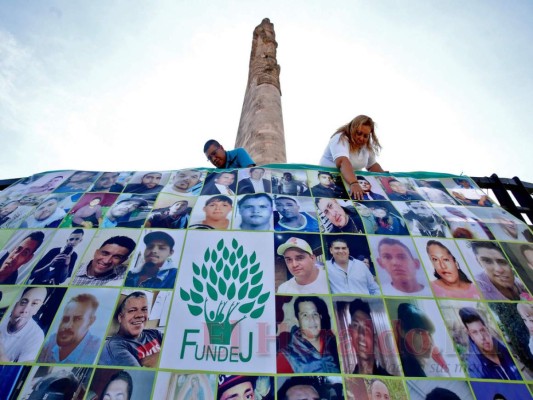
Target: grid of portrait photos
(262,283)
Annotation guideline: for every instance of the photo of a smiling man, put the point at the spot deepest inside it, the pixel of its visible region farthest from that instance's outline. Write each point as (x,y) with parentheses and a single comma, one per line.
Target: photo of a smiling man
(108,264)
(297,264)
(137,339)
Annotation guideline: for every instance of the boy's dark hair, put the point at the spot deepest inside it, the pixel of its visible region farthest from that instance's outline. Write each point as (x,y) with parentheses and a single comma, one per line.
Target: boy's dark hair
(469,315)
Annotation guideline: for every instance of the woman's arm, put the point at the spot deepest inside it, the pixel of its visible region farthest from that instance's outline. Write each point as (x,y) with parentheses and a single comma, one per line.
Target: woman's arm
(376,168)
(345,166)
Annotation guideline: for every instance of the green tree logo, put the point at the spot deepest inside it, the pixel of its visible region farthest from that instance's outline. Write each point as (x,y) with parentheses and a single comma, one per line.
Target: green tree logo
(233,280)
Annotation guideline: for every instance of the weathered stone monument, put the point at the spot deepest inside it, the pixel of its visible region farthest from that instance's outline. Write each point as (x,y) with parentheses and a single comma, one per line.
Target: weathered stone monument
(261,125)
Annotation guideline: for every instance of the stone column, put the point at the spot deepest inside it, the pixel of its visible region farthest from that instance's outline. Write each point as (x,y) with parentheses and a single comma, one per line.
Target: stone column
(261,126)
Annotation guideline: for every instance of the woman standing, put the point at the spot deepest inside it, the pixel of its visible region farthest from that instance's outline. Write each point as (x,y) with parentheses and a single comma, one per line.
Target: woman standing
(353,147)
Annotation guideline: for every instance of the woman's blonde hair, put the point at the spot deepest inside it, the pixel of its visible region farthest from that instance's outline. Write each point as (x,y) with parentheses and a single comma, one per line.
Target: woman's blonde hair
(349,130)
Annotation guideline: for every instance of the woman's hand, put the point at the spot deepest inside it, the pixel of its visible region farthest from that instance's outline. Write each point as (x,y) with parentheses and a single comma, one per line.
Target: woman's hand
(356,191)
(345,166)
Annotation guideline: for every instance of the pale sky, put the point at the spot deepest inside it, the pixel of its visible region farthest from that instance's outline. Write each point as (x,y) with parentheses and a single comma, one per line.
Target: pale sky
(141,85)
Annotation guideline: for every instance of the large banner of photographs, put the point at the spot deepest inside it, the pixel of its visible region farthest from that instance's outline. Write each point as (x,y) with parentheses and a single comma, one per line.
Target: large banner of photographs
(262,283)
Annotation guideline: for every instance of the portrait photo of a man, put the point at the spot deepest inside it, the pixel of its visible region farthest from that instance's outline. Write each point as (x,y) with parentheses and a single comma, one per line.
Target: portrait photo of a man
(294,214)
(67,382)
(466,192)
(503,225)
(338,216)
(147,182)
(348,274)
(107,259)
(49,212)
(46,183)
(463,223)
(486,347)
(113,182)
(322,387)
(121,384)
(479,343)
(170,212)
(521,257)
(366,346)
(327,184)
(422,339)
(440,390)
(298,271)
(20,335)
(17,255)
(134,339)
(59,258)
(433,190)
(500,390)
(422,219)
(13,212)
(254,180)
(156,260)
(400,189)
(212,212)
(76,335)
(185,182)
(372,190)
(128,211)
(248,387)
(291,182)
(399,269)
(224,182)
(78,181)
(493,272)
(254,212)
(25,325)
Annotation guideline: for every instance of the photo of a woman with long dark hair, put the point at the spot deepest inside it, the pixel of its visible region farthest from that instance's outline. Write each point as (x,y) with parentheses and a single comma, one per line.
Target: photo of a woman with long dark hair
(451,280)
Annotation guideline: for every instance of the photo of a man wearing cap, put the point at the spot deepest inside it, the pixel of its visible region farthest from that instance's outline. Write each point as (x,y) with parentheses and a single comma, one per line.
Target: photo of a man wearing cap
(424,346)
(308,277)
(291,216)
(158,270)
(240,387)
